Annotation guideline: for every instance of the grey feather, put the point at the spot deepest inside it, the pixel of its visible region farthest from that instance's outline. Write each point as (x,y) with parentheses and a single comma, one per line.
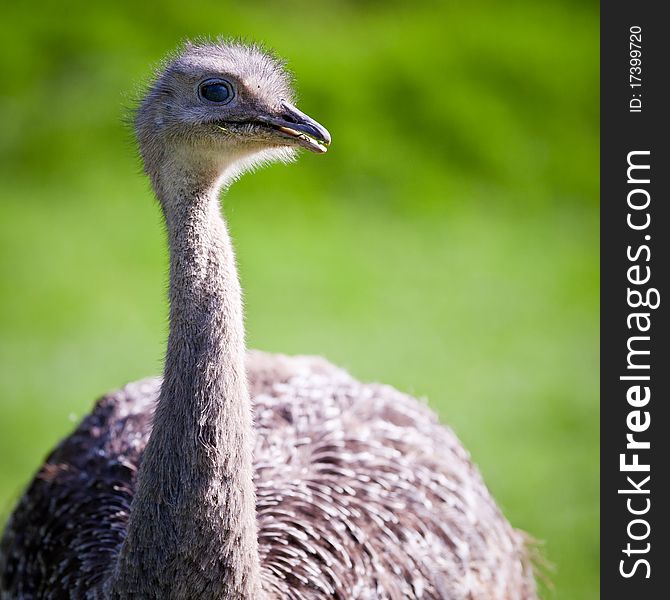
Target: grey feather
(361,493)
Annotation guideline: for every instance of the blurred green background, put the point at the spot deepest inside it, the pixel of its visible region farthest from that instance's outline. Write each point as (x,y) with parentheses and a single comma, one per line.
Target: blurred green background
(446,244)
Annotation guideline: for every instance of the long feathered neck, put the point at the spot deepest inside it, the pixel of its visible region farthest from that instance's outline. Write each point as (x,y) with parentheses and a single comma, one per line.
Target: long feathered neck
(192,529)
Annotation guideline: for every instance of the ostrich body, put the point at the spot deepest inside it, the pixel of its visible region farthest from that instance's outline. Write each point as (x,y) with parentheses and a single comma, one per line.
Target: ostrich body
(172,489)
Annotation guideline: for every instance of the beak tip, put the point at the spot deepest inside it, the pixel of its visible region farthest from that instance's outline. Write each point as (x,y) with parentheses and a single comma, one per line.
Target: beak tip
(327,139)
(299,120)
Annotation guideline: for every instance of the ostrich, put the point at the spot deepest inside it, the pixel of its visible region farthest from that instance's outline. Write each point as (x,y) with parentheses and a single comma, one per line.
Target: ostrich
(243,475)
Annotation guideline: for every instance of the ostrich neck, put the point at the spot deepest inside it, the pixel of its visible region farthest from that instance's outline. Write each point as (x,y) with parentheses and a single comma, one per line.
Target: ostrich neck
(193,522)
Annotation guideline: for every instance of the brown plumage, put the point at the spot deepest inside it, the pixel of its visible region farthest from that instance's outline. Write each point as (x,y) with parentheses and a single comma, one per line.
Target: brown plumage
(359,492)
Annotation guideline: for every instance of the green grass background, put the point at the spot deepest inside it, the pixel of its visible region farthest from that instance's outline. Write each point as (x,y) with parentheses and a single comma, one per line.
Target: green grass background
(446,244)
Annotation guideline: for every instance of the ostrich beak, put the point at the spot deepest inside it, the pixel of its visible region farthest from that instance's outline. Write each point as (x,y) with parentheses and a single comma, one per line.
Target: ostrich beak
(296,125)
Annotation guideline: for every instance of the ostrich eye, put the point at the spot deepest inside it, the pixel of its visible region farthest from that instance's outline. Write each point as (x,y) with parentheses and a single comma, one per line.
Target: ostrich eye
(216,90)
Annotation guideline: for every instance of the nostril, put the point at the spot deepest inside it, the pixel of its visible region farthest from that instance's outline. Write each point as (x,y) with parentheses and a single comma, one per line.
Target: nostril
(288,117)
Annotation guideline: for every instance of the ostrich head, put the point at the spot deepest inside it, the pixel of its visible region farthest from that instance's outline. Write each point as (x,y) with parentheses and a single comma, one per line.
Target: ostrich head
(218,109)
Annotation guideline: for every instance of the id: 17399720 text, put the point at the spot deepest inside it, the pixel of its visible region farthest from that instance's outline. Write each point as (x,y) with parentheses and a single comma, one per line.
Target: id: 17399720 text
(635,69)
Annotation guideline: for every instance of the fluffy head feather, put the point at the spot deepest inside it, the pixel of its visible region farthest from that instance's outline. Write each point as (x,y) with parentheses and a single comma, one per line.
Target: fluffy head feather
(178,127)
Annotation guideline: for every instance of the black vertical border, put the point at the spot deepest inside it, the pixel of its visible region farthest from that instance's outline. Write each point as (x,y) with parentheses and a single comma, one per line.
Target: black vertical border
(622,132)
